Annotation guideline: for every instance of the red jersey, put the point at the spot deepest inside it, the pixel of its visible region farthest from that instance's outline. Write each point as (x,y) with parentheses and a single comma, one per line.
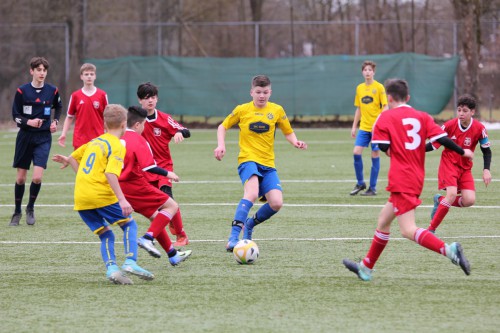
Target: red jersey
(467,138)
(159,129)
(406,130)
(138,157)
(88,110)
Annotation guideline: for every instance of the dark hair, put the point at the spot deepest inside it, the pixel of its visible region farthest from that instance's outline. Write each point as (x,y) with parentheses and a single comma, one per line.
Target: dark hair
(136,114)
(37,61)
(146,90)
(398,89)
(468,101)
(260,81)
(368,63)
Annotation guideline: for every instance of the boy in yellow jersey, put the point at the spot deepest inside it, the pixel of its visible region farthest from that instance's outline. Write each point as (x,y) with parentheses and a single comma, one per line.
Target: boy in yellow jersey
(258,121)
(370,101)
(98,197)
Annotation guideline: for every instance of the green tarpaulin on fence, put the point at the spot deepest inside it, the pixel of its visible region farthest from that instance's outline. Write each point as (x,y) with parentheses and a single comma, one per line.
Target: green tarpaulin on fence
(320,85)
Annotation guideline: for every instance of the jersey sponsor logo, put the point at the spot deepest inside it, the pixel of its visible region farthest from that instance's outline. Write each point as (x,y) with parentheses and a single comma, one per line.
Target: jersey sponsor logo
(157,131)
(467,141)
(367,100)
(259,127)
(270,116)
(27,109)
(96,104)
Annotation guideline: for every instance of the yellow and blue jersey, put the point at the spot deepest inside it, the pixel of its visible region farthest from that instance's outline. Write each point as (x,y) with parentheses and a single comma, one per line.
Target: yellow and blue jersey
(370,100)
(257,131)
(104,154)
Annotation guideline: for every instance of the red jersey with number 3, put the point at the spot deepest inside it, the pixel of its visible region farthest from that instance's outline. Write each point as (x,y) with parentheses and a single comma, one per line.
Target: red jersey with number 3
(89,113)
(406,130)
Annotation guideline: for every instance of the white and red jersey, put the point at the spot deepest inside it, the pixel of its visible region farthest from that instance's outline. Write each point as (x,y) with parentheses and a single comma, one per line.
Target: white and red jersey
(88,110)
(406,130)
(467,138)
(158,131)
(138,157)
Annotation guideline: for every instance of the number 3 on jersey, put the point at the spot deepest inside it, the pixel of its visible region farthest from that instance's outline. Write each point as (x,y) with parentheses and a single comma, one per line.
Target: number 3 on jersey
(89,163)
(413,133)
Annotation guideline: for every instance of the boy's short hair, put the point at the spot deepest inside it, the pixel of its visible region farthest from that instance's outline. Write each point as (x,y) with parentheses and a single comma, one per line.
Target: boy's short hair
(368,63)
(88,67)
(468,101)
(136,114)
(260,81)
(37,61)
(397,88)
(146,90)
(114,115)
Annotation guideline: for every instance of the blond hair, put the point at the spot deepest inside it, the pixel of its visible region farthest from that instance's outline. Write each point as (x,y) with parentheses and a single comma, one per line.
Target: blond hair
(88,67)
(114,115)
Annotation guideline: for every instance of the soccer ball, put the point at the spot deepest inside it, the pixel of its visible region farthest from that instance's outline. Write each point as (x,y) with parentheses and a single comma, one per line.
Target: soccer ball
(246,252)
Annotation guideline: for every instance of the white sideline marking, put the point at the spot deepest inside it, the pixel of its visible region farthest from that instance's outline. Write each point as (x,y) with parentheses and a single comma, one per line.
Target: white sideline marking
(262,240)
(477,180)
(284,205)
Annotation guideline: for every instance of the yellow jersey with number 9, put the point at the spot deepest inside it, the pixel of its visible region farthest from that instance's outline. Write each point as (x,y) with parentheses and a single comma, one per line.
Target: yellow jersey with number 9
(104,154)
(257,131)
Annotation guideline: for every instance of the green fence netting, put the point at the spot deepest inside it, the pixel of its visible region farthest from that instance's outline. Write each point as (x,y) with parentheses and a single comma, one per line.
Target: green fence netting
(317,86)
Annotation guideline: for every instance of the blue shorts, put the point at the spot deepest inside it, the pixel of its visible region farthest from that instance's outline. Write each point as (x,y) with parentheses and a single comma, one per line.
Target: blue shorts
(268,177)
(32,146)
(364,138)
(99,218)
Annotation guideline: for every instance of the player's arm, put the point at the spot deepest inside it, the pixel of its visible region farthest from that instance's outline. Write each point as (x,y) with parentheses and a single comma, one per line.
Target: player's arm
(487,163)
(357,117)
(220,151)
(162,172)
(67,124)
(448,143)
(292,138)
(17,114)
(57,105)
(115,186)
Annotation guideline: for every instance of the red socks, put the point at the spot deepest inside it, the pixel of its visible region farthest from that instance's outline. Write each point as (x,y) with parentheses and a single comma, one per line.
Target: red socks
(379,242)
(428,240)
(159,223)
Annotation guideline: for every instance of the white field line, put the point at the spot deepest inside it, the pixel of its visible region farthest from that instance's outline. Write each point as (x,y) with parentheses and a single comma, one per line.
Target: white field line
(285,205)
(477,180)
(328,239)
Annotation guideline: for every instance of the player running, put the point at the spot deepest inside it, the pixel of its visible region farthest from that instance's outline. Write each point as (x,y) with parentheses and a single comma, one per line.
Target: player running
(401,132)
(455,175)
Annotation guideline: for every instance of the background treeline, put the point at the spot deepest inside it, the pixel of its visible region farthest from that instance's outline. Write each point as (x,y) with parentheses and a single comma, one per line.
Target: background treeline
(69,31)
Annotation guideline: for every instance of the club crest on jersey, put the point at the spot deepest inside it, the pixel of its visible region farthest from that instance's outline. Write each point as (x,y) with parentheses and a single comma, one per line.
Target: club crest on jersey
(367,100)
(374,91)
(259,127)
(96,104)
(270,116)
(467,142)
(157,131)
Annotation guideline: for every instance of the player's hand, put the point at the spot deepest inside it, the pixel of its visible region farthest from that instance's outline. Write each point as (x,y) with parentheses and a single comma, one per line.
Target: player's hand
(126,207)
(62,140)
(36,123)
(300,144)
(61,159)
(178,137)
(353,133)
(53,127)
(486,177)
(219,153)
(468,154)
(173,176)
(388,152)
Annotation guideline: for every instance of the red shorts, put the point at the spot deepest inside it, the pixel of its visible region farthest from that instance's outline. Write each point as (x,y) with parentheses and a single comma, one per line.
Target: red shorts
(450,175)
(404,202)
(143,197)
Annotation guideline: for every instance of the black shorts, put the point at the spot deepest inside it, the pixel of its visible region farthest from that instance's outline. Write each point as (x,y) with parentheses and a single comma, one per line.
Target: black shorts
(32,146)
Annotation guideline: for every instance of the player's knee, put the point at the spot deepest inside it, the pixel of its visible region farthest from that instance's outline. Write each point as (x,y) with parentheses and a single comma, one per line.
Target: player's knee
(467,202)
(408,234)
(276,205)
(36,179)
(21,180)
